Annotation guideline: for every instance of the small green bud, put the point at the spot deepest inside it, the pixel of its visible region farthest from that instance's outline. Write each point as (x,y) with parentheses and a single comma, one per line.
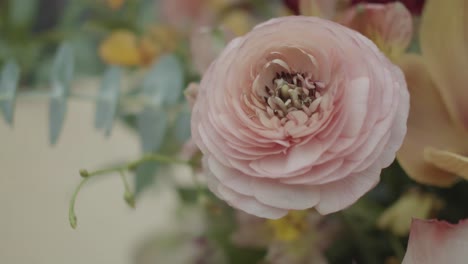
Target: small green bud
(129,199)
(84,173)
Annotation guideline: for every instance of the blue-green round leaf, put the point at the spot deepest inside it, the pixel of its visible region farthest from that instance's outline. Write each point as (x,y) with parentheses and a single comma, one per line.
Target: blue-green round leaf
(60,78)
(108,99)
(182,126)
(152,125)
(8,84)
(164,82)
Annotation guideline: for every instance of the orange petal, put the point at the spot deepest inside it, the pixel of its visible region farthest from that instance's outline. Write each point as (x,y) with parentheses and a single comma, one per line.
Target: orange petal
(444,45)
(120,48)
(428,126)
(390,26)
(448,161)
(436,242)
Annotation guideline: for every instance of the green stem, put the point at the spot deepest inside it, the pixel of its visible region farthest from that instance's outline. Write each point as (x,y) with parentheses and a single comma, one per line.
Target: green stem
(128,196)
(71,210)
(362,245)
(134,164)
(397,247)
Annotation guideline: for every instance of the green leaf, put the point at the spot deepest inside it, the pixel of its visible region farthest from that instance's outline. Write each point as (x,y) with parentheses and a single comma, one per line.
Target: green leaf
(152,124)
(108,99)
(8,83)
(61,77)
(182,125)
(145,176)
(164,82)
(146,14)
(22,12)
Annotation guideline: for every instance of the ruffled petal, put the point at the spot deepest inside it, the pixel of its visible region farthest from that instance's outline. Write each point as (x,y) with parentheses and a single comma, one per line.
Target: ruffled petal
(338,195)
(249,204)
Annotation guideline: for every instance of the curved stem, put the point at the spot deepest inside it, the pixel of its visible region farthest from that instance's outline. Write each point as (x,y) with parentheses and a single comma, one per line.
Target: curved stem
(71,210)
(134,164)
(128,196)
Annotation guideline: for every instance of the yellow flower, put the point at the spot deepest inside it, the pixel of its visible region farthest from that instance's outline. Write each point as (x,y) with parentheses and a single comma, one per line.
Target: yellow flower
(238,21)
(413,204)
(290,227)
(436,144)
(123,47)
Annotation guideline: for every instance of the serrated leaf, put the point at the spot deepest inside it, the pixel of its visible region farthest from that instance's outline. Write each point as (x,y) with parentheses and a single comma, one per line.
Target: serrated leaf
(8,85)
(152,124)
(61,77)
(182,126)
(163,84)
(108,100)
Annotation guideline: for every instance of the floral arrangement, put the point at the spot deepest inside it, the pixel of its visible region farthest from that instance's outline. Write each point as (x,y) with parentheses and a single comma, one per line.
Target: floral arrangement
(300,131)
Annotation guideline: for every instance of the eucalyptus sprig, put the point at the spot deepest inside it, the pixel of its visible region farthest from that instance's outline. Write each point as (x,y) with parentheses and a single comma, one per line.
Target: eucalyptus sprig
(129,197)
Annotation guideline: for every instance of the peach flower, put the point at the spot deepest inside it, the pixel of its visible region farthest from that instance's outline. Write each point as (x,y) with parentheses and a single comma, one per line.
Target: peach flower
(301,112)
(435,151)
(435,242)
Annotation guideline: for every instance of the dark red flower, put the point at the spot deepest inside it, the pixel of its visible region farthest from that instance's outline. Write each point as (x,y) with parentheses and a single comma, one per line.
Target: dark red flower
(414,6)
(293,5)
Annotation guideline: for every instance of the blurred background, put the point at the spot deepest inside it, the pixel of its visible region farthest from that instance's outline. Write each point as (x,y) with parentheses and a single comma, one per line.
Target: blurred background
(37,179)
(89,84)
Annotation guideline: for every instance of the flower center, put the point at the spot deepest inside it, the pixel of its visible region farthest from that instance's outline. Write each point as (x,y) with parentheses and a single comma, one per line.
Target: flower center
(291,92)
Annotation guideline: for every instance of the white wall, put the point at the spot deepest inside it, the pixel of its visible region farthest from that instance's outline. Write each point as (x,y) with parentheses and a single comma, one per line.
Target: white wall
(36,182)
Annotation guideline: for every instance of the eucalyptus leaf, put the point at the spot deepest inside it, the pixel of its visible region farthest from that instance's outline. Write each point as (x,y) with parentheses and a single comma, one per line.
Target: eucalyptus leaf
(152,125)
(61,77)
(108,99)
(145,176)
(8,84)
(182,125)
(164,82)
(22,12)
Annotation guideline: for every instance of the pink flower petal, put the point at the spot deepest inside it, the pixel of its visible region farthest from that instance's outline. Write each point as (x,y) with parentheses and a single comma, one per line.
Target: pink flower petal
(339,195)
(436,242)
(250,205)
(299,113)
(390,26)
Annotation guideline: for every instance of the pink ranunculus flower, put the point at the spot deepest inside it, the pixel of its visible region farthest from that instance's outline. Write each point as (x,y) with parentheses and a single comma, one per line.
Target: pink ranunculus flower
(301,112)
(437,242)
